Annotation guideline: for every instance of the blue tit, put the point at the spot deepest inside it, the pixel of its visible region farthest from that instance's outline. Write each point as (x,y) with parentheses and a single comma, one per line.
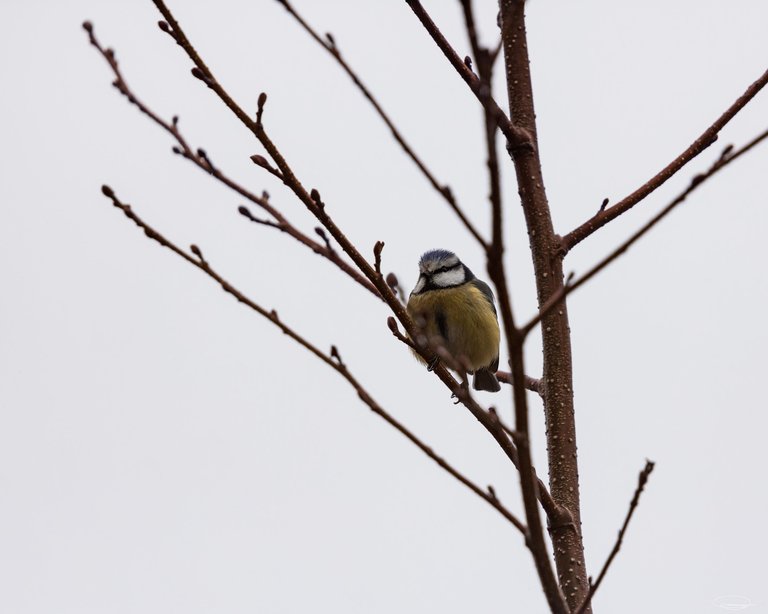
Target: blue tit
(456,310)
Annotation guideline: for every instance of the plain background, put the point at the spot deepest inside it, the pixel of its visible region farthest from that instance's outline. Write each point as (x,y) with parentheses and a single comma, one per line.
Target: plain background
(163,449)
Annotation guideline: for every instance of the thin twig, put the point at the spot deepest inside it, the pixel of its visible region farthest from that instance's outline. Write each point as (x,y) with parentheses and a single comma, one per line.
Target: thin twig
(706,139)
(329,44)
(531,383)
(641,481)
(517,137)
(332,359)
(200,159)
(727,156)
(313,202)
(484,63)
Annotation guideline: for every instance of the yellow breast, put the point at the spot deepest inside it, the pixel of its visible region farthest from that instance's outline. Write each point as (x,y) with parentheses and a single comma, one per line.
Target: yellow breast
(462,320)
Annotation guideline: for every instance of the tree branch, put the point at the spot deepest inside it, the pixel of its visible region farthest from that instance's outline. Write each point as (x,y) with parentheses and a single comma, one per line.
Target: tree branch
(531,383)
(517,137)
(316,206)
(333,359)
(641,481)
(557,376)
(484,64)
(706,139)
(727,156)
(329,44)
(200,159)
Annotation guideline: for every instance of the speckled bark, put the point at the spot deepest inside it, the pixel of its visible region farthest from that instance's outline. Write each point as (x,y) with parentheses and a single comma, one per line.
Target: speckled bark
(557,374)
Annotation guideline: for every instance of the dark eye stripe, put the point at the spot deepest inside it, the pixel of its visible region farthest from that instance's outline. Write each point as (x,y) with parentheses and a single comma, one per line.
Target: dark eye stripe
(444,269)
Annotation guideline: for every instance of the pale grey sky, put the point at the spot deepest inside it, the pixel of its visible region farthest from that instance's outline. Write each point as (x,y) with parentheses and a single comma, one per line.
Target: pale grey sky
(162,449)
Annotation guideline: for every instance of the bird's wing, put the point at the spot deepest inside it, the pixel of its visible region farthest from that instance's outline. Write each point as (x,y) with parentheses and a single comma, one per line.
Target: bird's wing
(486,290)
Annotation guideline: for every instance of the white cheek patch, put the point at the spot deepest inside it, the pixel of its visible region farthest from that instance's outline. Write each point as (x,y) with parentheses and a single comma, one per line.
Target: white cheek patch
(419,285)
(447,279)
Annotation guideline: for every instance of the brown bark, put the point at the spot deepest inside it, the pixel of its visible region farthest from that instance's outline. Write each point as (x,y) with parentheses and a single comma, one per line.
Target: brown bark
(557,379)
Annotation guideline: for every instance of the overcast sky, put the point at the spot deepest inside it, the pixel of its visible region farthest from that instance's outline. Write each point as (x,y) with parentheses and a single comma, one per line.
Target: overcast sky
(163,449)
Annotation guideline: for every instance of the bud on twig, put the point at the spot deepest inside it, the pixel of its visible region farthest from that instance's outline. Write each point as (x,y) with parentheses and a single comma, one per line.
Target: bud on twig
(315,196)
(377,249)
(260,107)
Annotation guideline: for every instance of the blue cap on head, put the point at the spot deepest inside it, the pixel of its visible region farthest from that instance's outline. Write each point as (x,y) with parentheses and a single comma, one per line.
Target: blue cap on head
(436,254)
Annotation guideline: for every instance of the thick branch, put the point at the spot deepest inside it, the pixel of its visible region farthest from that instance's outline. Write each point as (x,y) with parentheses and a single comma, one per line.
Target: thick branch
(333,359)
(329,44)
(517,139)
(641,481)
(316,206)
(706,139)
(557,374)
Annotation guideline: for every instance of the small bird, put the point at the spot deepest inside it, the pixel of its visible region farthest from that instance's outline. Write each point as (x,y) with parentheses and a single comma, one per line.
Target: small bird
(456,310)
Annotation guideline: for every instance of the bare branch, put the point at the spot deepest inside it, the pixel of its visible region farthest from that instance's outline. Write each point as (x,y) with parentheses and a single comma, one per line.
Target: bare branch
(485,74)
(557,378)
(706,139)
(726,157)
(314,204)
(329,44)
(641,481)
(531,383)
(517,138)
(202,161)
(332,359)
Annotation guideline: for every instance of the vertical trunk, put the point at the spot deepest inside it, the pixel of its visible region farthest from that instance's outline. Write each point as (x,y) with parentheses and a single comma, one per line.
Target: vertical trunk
(557,373)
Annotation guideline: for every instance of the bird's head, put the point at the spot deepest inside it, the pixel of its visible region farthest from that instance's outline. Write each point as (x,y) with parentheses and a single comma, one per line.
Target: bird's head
(438,269)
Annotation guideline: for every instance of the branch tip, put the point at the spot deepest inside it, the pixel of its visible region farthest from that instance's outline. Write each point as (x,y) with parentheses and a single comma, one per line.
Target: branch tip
(107,191)
(262,100)
(726,152)
(315,196)
(335,355)
(88,27)
(197,252)
(377,249)
(199,74)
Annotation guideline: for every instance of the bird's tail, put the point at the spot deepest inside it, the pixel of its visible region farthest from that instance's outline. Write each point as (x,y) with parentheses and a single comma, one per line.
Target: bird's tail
(485,380)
